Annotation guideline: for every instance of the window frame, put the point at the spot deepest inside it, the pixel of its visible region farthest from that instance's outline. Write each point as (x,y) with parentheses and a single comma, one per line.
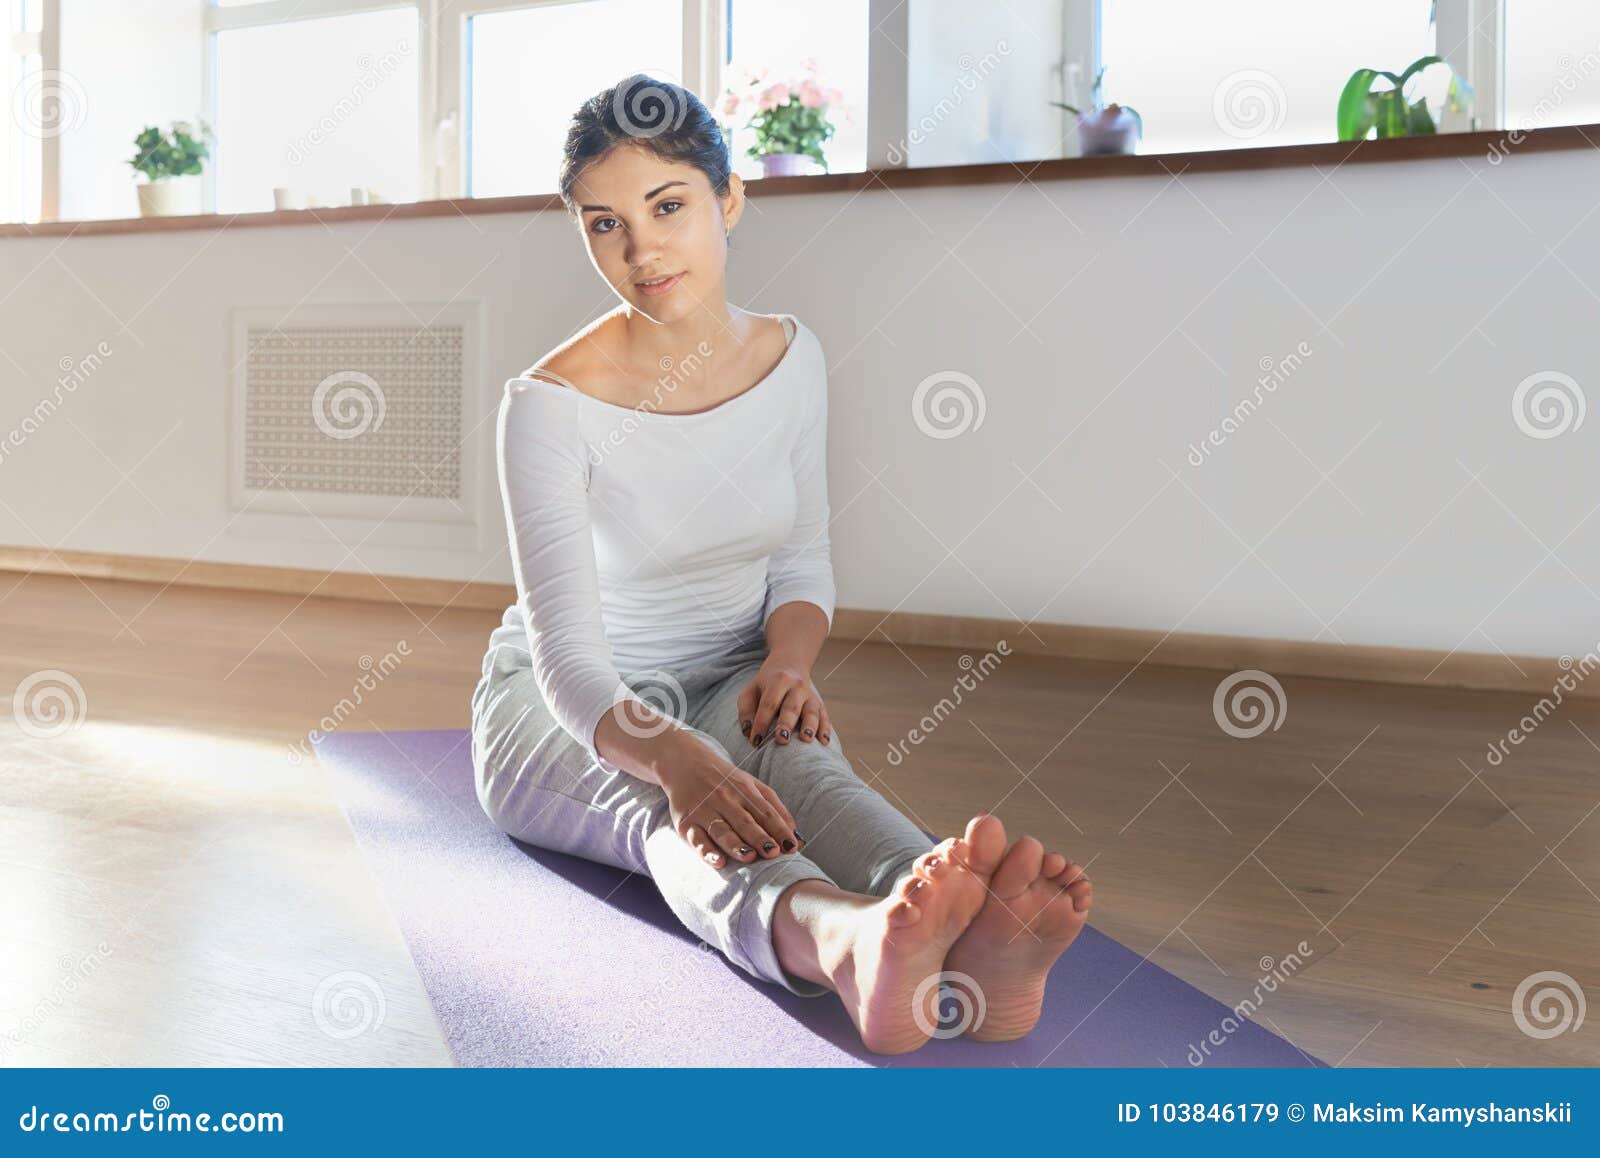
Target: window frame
(1474,30)
(267,12)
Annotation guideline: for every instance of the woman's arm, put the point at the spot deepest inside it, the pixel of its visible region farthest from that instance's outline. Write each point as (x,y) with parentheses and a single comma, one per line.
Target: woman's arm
(544,479)
(781,699)
(801,570)
(795,634)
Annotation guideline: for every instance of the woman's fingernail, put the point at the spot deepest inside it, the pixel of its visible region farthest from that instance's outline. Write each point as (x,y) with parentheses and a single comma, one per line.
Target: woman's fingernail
(744,727)
(797,835)
(784,732)
(744,848)
(788,845)
(767,846)
(809,732)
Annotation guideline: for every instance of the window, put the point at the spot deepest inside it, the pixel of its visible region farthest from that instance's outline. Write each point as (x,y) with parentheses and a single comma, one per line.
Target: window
(1552,63)
(773,36)
(38,108)
(456,98)
(317,106)
(529,69)
(1251,72)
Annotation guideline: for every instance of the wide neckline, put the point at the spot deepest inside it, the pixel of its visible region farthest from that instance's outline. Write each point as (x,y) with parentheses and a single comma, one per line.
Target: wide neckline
(684,416)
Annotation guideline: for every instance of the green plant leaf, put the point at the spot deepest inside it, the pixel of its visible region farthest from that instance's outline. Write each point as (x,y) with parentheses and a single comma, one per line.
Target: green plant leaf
(1417,66)
(1356,108)
(1420,122)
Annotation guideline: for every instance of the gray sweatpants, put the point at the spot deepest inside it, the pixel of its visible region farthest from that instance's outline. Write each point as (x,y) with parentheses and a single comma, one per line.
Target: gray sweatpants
(539,785)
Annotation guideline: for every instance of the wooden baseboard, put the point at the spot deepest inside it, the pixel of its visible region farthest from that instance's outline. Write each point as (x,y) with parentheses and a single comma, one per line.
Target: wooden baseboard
(1479,671)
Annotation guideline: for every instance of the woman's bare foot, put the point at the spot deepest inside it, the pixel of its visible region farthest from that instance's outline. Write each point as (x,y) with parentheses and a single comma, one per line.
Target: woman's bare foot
(1036,904)
(877,952)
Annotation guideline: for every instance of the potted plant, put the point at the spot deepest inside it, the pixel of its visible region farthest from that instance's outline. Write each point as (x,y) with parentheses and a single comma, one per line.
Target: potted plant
(1106,129)
(164,158)
(790,120)
(1391,111)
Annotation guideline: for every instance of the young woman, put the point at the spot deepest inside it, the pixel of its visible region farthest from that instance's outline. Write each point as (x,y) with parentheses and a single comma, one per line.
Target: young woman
(647,701)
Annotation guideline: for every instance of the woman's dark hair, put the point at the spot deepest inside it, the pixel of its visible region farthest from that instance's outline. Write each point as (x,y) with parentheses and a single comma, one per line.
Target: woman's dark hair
(643,111)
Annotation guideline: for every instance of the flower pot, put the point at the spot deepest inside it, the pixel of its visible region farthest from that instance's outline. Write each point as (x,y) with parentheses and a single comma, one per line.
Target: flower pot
(167,198)
(785,164)
(1109,131)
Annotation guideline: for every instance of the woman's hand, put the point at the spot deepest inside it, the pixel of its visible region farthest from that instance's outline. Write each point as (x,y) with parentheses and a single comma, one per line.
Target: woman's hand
(779,702)
(724,812)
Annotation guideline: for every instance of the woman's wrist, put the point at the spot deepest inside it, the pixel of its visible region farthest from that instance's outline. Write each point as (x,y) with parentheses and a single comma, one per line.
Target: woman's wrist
(652,756)
(790,659)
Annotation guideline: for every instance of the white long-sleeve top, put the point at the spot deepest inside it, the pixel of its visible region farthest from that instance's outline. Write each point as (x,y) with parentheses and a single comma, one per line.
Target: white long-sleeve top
(642,539)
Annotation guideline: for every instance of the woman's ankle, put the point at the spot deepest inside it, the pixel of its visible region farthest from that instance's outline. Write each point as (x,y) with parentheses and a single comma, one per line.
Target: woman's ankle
(813,926)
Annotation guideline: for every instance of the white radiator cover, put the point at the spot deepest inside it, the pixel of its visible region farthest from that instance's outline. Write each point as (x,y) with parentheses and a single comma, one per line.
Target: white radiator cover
(362,423)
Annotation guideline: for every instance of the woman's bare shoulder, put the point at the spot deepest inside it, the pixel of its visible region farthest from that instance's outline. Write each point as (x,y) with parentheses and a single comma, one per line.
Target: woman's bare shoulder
(579,363)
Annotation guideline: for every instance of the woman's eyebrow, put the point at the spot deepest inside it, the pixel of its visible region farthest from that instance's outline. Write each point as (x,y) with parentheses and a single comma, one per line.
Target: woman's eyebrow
(647,196)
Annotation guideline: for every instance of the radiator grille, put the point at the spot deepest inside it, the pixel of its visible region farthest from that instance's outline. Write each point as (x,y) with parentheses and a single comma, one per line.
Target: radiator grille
(370,410)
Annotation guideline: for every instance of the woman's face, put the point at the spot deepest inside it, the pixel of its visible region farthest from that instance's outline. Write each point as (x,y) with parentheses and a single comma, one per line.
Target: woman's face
(645,218)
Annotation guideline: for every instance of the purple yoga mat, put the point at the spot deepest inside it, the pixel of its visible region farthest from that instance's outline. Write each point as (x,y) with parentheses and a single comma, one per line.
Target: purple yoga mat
(536,958)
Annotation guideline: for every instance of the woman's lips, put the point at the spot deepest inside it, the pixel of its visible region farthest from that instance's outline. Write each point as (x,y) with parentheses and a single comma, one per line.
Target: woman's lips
(662,287)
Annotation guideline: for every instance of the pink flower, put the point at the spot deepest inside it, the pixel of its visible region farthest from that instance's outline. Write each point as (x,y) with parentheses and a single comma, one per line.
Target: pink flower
(774,97)
(835,97)
(809,64)
(810,95)
(730,104)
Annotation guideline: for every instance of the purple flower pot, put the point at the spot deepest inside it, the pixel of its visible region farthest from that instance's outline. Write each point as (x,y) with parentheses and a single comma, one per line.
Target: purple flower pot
(785,164)
(1111,130)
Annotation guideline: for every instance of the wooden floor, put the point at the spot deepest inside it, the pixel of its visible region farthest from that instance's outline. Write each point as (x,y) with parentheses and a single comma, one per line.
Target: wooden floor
(176,891)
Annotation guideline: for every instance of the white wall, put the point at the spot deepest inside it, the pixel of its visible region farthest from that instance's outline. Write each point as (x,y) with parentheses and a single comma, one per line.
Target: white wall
(1423,289)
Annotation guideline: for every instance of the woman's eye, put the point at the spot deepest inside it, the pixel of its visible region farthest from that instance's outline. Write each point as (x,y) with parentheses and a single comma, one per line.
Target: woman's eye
(599,221)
